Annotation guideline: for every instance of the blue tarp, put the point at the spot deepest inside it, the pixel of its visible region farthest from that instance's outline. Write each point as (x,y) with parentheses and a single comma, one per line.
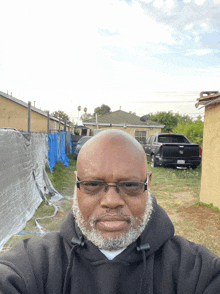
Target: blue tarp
(70,134)
(53,148)
(57,149)
(63,157)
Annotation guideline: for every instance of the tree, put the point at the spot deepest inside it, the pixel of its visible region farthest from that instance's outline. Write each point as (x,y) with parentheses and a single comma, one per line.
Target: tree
(183,118)
(169,119)
(61,115)
(85,116)
(166,118)
(101,110)
(193,131)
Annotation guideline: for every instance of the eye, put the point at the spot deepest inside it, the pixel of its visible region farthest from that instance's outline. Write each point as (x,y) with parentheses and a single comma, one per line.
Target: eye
(91,184)
(130,188)
(131,185)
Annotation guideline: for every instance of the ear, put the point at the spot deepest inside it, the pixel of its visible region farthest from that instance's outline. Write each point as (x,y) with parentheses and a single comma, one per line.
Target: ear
(149,178)
(75,175)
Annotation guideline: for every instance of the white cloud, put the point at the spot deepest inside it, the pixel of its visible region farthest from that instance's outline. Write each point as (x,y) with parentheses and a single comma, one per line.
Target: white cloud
(197,39)
(53,53)
(189,27)
(205,26)
(199,52)
(199,2)
(201,16)
(158,3)
(169,4)
(134,28)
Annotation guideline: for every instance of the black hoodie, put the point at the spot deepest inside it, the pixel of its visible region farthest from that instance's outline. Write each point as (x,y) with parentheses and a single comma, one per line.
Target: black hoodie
(158,262)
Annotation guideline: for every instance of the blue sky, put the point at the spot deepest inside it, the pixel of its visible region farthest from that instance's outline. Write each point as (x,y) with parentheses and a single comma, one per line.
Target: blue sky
(144,56)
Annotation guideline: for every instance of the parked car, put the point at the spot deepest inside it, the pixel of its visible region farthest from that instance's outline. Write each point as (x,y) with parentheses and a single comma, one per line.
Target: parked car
(172,150)
(79,145)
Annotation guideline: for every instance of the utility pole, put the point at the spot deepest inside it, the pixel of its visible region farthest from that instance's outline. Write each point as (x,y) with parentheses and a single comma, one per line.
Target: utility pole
(29,116)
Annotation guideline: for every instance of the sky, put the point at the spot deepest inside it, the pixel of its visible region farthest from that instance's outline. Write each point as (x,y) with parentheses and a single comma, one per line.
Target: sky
(143,56)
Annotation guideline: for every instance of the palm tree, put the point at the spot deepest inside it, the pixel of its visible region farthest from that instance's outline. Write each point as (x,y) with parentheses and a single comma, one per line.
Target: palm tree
(79,109)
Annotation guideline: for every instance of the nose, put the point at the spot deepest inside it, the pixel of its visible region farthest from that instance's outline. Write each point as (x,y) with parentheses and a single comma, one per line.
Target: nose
(111,199)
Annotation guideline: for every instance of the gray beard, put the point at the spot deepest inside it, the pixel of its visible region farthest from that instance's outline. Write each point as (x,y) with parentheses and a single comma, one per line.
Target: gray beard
(114,243)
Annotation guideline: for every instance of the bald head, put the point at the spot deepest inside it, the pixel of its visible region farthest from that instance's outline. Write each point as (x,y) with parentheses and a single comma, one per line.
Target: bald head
(113,134)
(112,148)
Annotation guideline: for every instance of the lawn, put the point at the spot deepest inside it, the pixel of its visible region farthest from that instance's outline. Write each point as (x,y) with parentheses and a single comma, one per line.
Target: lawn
(177,191)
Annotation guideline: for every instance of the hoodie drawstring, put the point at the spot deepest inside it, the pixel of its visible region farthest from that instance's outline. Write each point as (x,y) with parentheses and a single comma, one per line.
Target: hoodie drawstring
(77,243)
(143,249)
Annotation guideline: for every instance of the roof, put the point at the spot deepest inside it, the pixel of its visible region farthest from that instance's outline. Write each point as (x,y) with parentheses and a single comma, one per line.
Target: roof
(122,118)
(20,102)
(207,98)
(80,127)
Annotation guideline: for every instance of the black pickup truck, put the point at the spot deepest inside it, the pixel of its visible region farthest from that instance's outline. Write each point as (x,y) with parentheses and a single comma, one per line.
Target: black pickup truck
(172,150)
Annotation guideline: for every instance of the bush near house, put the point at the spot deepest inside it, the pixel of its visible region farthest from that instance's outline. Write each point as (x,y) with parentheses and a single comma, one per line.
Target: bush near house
(193,131)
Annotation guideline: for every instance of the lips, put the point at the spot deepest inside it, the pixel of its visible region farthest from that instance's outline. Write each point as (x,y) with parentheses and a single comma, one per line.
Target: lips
(112,223)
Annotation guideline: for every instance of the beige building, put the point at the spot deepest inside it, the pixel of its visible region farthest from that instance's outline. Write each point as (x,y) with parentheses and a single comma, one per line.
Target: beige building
(14,114)
(210,181)
(124,121)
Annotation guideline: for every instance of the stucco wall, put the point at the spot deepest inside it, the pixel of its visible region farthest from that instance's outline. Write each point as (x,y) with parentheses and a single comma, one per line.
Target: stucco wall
(128,130)
(210,181)
(14,115)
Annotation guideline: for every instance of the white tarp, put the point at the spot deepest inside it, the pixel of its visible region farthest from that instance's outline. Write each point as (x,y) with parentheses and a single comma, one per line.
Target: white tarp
(22,179)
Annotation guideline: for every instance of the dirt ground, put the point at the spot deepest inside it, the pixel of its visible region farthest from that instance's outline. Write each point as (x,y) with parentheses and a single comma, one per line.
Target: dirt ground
(197,224)
(201,216)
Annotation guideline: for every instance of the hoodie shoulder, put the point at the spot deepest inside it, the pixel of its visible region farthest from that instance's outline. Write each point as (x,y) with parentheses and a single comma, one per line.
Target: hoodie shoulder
(195,264)
(34,262)
(159,228)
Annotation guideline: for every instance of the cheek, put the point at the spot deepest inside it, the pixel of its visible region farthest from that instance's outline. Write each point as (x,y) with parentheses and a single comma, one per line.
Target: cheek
(137,206)
(87,205)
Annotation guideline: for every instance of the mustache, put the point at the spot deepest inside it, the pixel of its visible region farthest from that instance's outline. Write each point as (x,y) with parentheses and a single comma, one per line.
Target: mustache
(114,213)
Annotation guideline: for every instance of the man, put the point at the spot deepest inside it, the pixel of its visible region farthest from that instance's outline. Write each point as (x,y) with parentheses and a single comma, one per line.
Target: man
(119,240)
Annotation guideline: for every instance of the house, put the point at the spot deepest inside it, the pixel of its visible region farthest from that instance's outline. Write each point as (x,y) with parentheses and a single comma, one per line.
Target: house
(14,114)
(121,120)
(82,130)
(210,181)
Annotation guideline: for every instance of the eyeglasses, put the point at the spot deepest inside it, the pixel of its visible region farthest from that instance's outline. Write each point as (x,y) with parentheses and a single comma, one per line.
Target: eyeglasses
(123,188)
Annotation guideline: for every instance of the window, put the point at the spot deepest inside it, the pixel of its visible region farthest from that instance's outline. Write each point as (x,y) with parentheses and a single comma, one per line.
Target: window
(172,139)
(141,136)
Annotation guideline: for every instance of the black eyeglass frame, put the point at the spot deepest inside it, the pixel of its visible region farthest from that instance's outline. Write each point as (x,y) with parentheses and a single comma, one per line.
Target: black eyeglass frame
(107,185)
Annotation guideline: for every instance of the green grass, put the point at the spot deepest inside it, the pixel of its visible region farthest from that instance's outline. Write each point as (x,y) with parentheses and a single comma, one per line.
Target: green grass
(63,178)
(213,208)
(176,190)
(167,181)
